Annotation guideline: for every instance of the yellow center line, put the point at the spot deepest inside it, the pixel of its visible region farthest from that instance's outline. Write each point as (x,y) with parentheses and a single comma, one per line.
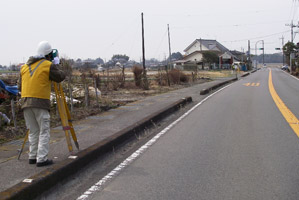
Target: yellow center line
(287,113)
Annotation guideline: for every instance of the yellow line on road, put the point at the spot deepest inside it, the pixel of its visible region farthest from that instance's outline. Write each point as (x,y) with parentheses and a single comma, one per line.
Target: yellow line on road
(252,84)
(287,113)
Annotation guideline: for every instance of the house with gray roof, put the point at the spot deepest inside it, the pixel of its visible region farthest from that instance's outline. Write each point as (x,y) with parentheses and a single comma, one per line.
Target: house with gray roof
(194,52)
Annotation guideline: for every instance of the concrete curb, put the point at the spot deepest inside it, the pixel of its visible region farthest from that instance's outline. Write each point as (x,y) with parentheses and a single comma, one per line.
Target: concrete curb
(206,91)
(246,74)
(48,178)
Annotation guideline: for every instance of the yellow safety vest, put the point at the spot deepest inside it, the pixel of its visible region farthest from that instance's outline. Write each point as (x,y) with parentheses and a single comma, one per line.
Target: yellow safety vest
(35,80)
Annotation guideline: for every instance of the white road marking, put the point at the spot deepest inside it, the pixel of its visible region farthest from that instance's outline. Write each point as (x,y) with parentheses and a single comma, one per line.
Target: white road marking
(73,157)
(27,180)
(99,185)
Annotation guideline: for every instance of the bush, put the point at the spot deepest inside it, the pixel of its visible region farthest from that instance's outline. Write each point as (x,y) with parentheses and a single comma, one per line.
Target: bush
(161,79)
(184,78)
(176,76)
(137,75)
(117,81)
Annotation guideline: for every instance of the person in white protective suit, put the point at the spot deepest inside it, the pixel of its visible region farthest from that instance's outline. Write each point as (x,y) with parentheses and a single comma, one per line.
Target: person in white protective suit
(35,87)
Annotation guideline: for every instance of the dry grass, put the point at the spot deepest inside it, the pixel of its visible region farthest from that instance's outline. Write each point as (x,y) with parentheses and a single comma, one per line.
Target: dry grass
(217,74)
(112,94)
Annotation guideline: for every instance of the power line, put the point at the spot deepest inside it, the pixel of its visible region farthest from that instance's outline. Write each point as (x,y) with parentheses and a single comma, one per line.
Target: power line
(295,10)
(209,13)
(120,35)
(258,37)
(292,8)
(161,41)
(233,25)
(292,30)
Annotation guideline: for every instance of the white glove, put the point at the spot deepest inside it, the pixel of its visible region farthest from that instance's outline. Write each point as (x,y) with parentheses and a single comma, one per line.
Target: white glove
(56,61)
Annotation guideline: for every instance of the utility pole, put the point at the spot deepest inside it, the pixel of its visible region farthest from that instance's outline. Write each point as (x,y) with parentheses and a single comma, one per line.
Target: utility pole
(145,83)
(143,49)
(292,30)
(282,40)
(292,39)
(169,44)
(169,62)
(249,55)
(242,50)
(256,53)
(263,54)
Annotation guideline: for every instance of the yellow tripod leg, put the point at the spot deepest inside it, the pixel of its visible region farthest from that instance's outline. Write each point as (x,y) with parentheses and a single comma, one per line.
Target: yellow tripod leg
(23,145)
(63,116)
(69,120)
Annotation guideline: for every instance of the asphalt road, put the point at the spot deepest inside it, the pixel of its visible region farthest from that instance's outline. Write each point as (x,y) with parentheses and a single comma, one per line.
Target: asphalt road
(235,144)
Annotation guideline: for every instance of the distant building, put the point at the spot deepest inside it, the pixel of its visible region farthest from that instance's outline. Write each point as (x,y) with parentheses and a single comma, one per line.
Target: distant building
(100,68)
(194,53)
(240,56)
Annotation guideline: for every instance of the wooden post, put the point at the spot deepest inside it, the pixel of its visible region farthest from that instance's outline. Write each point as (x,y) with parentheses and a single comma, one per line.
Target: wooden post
(107,79)
(86,95)
(123,76)
(86,92)
(96,91)
(13,112)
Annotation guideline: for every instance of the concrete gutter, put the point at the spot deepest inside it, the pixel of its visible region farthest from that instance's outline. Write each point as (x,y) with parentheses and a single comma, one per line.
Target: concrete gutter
(207,90)
(246,74)
(48,178)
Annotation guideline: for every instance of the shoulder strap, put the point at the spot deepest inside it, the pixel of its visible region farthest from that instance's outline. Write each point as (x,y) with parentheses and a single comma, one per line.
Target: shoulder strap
(31,72)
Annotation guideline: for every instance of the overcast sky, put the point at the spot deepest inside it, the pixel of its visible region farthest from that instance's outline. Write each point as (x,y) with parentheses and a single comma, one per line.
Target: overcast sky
(101,28)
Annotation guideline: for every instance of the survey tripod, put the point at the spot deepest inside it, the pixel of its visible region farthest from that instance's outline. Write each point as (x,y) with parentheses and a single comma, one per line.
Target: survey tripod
(65,117)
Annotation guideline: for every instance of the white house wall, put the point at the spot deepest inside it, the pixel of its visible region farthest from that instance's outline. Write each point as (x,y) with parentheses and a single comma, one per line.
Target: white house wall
(197,56)
(204,48)
(196,47)
(226,56)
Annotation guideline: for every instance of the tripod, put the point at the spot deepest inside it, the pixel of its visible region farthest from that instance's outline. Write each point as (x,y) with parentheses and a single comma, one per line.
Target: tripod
(65,117)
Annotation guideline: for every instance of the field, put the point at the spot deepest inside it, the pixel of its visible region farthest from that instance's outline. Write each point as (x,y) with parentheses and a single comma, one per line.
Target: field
(113,90)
